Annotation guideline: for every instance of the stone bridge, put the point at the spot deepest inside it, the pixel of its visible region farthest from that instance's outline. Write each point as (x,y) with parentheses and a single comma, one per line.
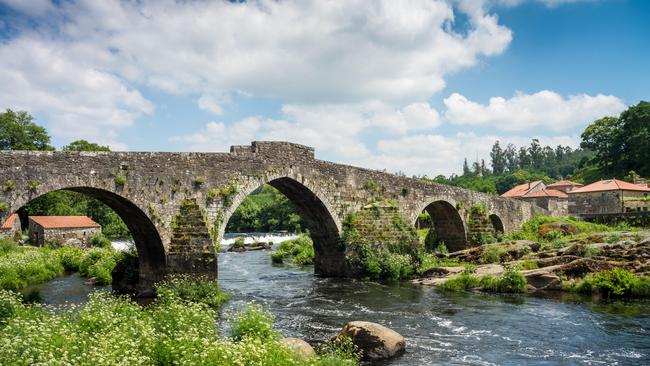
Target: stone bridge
(177,205)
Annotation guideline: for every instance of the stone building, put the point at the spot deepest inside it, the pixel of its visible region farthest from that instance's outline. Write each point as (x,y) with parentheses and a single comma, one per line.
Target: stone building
(523,189)
(609,196)
(11,227)
(60,229)
(555,201)
(565,186)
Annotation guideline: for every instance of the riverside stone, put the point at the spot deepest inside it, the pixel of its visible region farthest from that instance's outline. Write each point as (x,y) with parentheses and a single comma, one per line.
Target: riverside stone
(300,346)
(376,341)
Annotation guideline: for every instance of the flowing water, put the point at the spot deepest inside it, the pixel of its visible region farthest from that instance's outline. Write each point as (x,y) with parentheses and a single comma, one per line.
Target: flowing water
(440,328)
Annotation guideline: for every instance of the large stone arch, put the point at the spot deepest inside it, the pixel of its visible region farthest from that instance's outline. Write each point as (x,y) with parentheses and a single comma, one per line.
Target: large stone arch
(149,245)
(319,217)
(447,223)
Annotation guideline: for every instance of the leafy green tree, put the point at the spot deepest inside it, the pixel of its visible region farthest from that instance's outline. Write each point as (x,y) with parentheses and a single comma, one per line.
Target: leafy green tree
(265,210)
(510,155)
(605,139)
(498,159)
(635,126)
(19,132)
(83,145)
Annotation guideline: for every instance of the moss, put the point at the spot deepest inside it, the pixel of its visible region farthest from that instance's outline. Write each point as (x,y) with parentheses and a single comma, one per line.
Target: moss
(120,180)
(33,185)
(227,194)
(199,180)
(212,194)
(9,186)
(4,207)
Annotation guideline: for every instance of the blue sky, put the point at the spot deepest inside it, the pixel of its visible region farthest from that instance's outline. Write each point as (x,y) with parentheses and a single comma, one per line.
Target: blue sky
(411,86)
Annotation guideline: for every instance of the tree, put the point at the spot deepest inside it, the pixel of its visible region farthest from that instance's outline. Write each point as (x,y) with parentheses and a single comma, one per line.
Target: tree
(635,126)
(83,145)
(523,158)
(604,138)
(19,132)
(536,154)
(498,159)
(510,154)
(466,170)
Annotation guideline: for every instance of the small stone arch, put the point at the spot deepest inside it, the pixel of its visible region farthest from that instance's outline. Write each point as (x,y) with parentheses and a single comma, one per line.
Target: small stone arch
(447,224)
(319,218)
(149,245)
(497,224)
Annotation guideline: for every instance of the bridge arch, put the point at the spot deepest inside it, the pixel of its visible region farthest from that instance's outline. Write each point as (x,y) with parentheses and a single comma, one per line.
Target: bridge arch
(497,224)
(446,224)
(320,219)
(149,245)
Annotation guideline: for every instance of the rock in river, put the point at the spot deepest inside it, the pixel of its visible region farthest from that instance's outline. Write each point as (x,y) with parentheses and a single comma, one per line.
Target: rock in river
(374,340)
(299,346)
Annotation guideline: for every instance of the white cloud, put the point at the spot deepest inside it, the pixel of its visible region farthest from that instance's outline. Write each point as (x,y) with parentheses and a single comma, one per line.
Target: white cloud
(545,109)
(210,104)
(78,100)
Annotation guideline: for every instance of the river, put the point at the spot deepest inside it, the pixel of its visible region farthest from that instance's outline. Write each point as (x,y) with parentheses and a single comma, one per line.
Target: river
(440,328)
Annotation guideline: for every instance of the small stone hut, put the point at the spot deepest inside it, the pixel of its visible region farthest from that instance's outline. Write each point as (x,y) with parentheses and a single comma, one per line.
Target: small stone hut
(11,227)
(609,196)
(60,229)
(552,197)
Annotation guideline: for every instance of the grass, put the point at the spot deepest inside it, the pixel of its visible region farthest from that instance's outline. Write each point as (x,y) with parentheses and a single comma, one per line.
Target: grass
(510,281)
(24,266)
(300,251)
(615,283)
(110,330)
(193,289)
(529,230)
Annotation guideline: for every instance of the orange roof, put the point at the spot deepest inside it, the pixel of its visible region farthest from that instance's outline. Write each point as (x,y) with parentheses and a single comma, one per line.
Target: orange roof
(565,183)
(547,193)
(521,189)
(610,185)
(64,222)
(9,223)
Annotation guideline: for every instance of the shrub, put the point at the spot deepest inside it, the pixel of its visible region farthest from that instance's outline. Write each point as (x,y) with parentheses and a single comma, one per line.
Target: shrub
(614,283)
(492,254)
(4,206)
(510,281)
(212,194)
(120,180)
(613,238)
(193,289)
(527,264)
(461,282)
(99,263)
(7,245)
(253,322)
(199,180)
(10,302)
(300,250)
(9,185)
(588,251)
(441,248)
(100,241)
(70,257)
(28,266)
(529,230)
(238,243)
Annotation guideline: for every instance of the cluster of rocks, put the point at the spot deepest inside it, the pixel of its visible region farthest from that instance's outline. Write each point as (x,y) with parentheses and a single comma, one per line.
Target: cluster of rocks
(250,247)
(374,341)
(582,255)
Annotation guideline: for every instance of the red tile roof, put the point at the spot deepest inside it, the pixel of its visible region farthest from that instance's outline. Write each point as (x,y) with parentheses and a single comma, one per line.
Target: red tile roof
(610,185)
(9,223)
(521,189)
(64,222)
(564,183)
(547,193)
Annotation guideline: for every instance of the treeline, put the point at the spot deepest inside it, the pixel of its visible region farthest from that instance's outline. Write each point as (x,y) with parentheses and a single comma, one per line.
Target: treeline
(265,210)
(611,147)
(18,131)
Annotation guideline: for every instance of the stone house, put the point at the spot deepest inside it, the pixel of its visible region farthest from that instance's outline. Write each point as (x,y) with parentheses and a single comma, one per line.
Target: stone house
(554,200)
(609,196)
(565,186)
(11,227)
(60,229)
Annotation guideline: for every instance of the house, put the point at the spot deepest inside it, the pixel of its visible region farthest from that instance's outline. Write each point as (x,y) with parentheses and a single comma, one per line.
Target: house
(554,200)
(523,189)
(60,229)
(11,227)
(565,186)
(609,197)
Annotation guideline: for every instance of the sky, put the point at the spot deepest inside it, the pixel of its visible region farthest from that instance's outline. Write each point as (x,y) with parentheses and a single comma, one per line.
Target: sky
(407,86)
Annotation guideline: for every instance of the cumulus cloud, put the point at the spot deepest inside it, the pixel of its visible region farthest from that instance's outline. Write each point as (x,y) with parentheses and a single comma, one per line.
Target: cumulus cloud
(545,109)
(210,104)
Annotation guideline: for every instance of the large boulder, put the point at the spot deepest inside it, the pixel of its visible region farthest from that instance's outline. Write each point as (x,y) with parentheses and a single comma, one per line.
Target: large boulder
(299,346)
(542,280)
(563,227)
(375,341)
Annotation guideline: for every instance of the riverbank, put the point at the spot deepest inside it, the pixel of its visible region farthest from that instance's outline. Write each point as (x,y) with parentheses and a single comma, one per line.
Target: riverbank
(556,255)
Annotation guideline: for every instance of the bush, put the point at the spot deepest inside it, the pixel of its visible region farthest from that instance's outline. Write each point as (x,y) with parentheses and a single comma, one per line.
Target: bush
(193,289)
(529,230)
(462,282)
(7,245)
(527,264)
(253,322)
(27,266)
(238,243)
(510,281)
(300,250)
(492,254)
(614,283)
(100,241)
(70,257)
(99,264)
